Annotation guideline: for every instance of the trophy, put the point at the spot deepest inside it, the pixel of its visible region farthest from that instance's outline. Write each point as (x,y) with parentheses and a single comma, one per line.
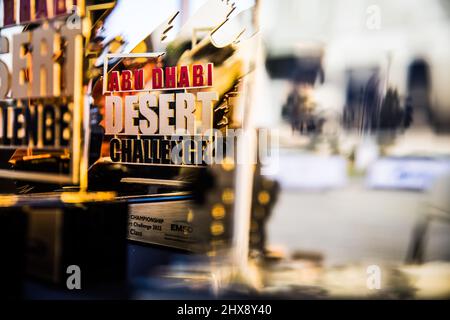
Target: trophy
(44,149)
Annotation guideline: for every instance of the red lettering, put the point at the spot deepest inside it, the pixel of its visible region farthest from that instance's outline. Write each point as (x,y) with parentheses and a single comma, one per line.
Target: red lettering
(113,81)
(8,12)
(126,80)
(139,79)
(25,14)
(171,77)
(25,11)
(197,75)
(157,78)
(184,77)
(210,74)
(41,9)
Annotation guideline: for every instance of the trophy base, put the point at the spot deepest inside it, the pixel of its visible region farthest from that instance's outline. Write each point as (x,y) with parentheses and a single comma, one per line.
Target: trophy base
(13,227)
(72,232)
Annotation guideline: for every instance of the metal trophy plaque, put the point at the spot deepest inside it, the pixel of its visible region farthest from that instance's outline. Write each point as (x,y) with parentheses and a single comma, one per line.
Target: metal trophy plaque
(143,122)
(166,104)
(41,63)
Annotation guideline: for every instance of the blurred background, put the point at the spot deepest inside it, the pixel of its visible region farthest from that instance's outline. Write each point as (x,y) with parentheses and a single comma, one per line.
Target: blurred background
(358,91)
